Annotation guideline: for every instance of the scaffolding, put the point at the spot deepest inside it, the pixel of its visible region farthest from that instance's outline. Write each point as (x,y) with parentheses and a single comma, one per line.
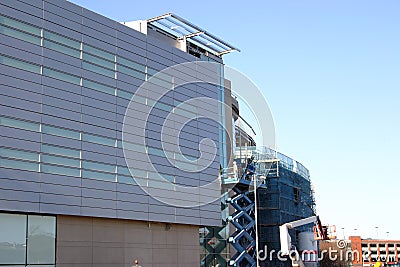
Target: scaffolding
(284,194)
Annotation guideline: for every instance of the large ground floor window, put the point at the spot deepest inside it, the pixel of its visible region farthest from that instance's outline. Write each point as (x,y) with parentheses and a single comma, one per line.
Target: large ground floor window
(27,240)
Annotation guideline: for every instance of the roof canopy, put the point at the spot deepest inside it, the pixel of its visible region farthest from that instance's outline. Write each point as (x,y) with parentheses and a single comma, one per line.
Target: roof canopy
(183,29)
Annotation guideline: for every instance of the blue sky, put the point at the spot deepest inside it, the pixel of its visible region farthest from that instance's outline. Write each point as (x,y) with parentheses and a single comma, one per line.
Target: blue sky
(330,71)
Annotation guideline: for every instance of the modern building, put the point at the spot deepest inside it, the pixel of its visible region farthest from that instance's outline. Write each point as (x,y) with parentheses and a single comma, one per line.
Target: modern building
(88,174)
(67,195)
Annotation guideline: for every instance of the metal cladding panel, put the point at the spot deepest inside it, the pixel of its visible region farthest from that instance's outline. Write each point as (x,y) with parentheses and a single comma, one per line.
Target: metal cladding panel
(56,208)
(11,142)
(60,199)
(92,102)
(61,113)
(65,22)
(59,65)
(131,33)
(95,156)
(59,29)
(63,120)
(21,206)
(64,103)
(19,134)
(97,95)
(19,196)
(25,186)
(66,11)
(98,212)
(18,83)
(99,33)
(18,73)
(61,85)
(8,9)
(98,112)
(96,121)
(132,52)
(57,140)
(62,189)
(20,175)
(23,114)
(64,5)
(30,8)
(20,54)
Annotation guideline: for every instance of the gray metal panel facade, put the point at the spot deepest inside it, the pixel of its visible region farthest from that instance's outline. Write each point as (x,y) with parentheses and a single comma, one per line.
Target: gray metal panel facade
(62,107)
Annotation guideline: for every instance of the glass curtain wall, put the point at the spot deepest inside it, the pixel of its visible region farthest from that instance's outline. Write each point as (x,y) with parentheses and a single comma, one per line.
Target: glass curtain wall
(27,240)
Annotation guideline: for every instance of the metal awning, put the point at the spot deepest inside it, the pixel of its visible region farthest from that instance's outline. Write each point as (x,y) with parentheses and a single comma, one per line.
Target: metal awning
(183,29)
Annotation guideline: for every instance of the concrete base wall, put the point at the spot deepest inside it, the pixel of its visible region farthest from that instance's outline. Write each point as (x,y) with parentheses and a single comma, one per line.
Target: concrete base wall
(87,241)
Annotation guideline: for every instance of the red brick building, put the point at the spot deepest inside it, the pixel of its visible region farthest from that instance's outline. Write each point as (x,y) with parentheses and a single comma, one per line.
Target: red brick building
(372,250)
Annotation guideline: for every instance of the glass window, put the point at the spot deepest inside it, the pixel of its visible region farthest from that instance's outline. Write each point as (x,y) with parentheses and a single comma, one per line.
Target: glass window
(124,94)
(151,71)
(98,175)
(19,64)
(161,185)
(131,64)
(167,177)
(18,164)
(156,152)
(98,139)
(98,61)
(187,114)
(62,40)
(62,49)
(160,75)
(30,126)
(132,146)
(41,239)
(12,238)
(137,173)
(98,166)
(60,151)
(131,72)
(99,87)
(19,25)
(160,83)
(98,69)
(163,106)
(126,179)
(185,165)
(18,154)
(61,76)
(123,171)
(60,161)
(100,53)
(60,132)
(20,35)
(137,99)
(47,168)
